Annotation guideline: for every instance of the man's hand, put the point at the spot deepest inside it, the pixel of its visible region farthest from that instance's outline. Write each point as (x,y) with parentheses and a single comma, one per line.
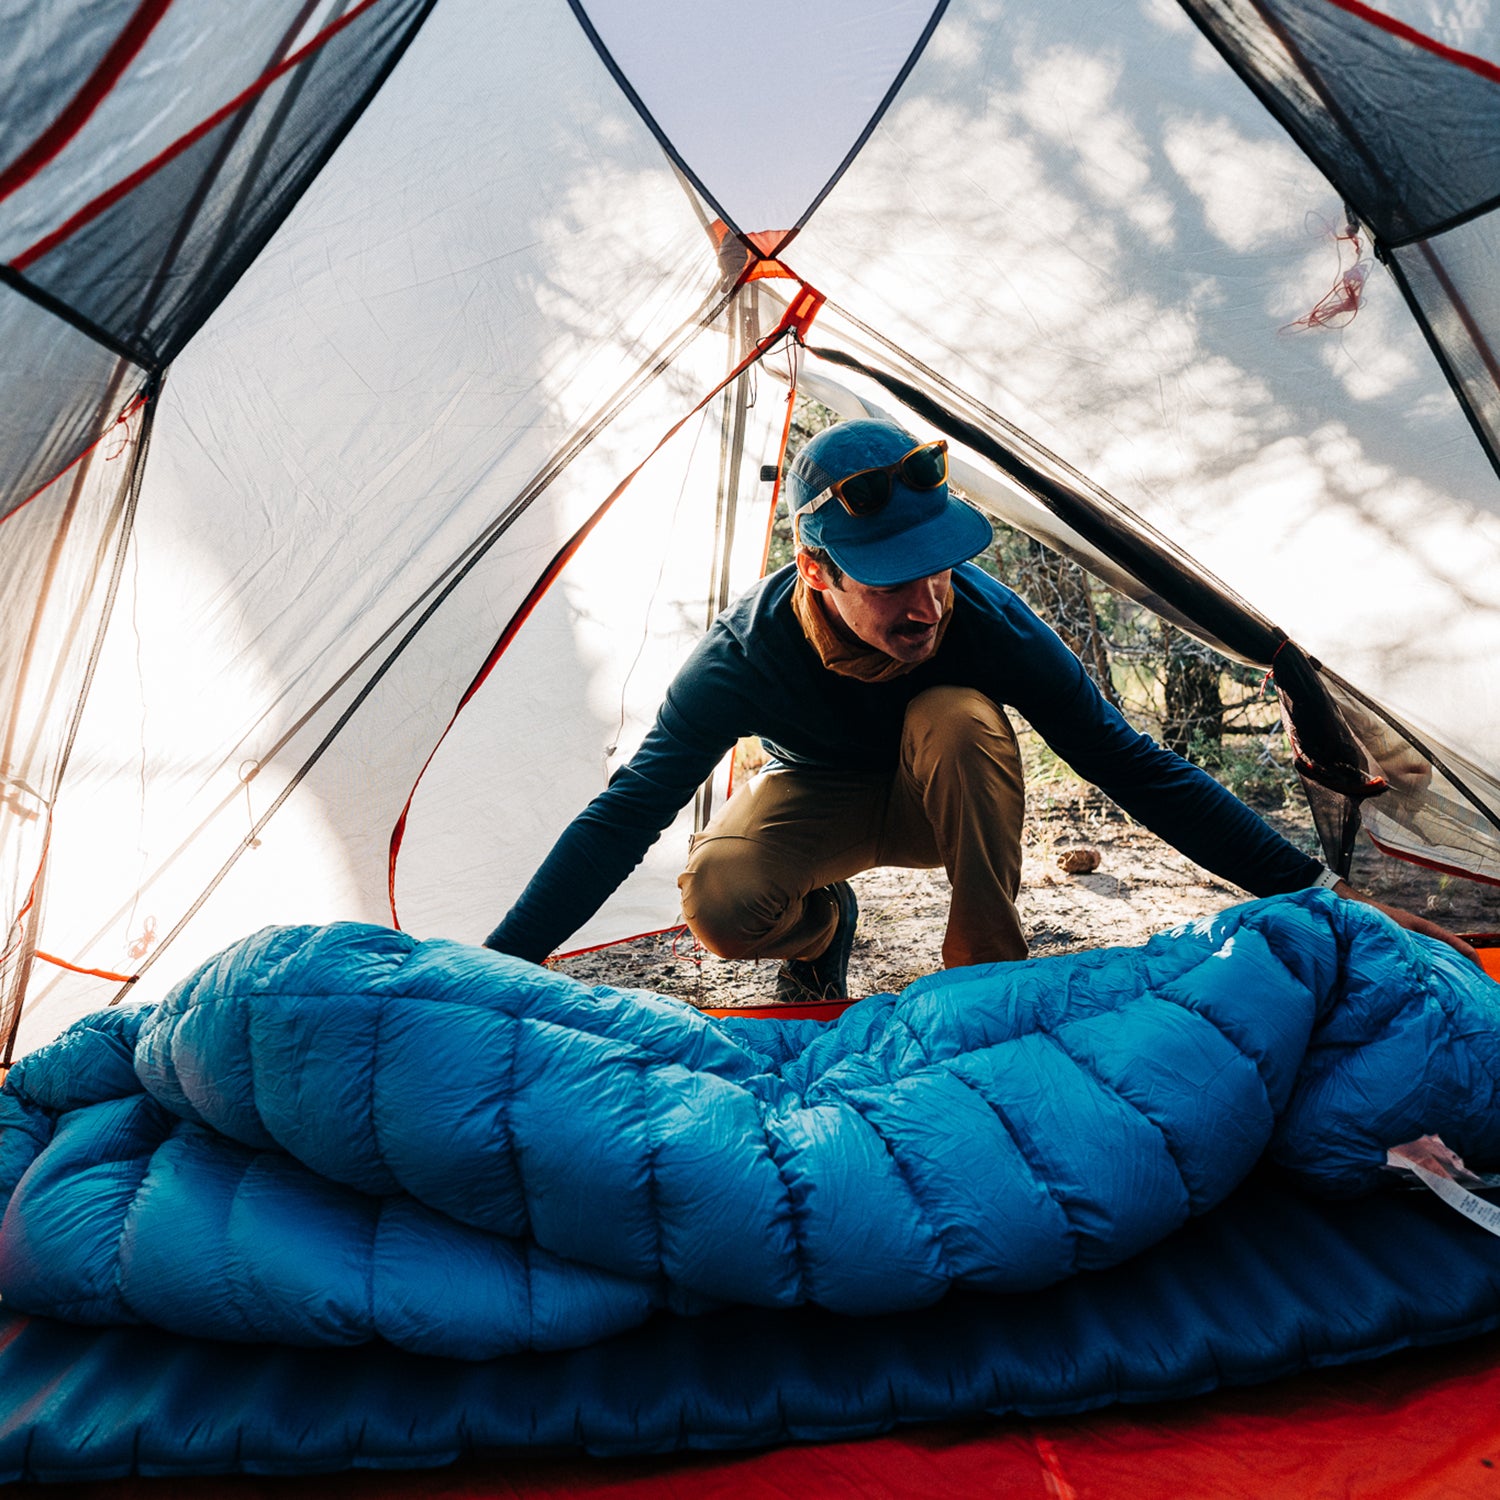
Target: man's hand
(1409,920)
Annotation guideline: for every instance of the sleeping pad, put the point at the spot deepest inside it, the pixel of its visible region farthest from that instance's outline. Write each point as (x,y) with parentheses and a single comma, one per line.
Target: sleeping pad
(332,1135)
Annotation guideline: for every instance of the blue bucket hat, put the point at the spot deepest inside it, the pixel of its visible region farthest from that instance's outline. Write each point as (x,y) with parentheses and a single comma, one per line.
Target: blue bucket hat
(915,534)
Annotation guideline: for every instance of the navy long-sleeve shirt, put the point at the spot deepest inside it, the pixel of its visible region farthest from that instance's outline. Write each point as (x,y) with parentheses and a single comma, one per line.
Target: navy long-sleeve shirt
(756,673)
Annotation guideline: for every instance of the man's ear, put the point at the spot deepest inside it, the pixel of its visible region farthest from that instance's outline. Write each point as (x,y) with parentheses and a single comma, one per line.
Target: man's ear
(810,571)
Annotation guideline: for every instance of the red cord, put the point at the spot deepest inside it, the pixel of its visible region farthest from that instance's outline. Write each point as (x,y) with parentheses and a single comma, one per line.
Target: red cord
(1338,305)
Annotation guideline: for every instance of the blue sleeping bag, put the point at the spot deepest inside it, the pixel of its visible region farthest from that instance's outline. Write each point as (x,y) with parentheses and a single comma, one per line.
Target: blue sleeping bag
(331,1135)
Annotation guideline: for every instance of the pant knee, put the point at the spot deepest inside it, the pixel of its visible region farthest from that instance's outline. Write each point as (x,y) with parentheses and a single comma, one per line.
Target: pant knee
(731,913)
(947,723)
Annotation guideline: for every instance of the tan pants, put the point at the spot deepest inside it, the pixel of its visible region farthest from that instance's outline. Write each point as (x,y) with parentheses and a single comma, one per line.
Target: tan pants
(752,885)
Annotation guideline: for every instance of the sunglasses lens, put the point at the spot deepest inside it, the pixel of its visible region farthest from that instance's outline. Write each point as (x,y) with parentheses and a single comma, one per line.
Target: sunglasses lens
(866,493)
(925,468)
(869,491)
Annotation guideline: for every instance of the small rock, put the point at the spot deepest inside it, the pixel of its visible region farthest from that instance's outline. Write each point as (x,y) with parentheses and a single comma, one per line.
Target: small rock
(1079,861)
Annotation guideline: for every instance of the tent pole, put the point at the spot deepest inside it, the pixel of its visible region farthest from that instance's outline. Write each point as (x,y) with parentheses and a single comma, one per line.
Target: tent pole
(744,313)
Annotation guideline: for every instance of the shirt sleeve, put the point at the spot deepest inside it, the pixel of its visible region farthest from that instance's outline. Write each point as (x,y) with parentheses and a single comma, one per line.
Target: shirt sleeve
(610,837)
(1176,800)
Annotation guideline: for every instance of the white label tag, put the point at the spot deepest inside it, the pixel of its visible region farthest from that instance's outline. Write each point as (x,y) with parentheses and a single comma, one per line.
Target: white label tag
(1470,1205)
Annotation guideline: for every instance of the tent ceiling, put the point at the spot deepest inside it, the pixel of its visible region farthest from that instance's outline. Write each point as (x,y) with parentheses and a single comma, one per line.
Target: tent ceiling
(762,126)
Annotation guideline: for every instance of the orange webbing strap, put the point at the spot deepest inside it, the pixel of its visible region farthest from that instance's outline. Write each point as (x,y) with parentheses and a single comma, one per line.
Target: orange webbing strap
(62,963)
(50,958)
(798,317)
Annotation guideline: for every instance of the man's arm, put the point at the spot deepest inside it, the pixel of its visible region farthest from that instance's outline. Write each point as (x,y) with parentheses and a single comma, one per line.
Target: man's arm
(591,859)
(696,727)
(1176,800)
(1179,801)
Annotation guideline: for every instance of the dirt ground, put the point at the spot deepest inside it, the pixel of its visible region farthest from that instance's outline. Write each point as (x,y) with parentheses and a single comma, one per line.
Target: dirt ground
(1141,886)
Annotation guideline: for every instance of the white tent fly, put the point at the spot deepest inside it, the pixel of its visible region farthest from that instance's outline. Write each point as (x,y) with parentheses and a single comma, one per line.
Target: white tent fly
(331,330)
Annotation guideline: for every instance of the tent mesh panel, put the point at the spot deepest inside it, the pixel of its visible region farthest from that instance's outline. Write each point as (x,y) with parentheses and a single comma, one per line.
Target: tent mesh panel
(1407,128)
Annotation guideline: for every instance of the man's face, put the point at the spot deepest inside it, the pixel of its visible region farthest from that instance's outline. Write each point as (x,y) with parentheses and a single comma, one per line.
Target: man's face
(902,620)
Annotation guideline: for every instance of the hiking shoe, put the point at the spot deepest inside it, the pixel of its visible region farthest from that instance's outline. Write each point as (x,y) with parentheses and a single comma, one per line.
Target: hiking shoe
(826,977)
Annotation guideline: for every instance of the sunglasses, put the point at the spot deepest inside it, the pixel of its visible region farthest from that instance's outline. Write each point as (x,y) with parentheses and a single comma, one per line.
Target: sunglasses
(868,491)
